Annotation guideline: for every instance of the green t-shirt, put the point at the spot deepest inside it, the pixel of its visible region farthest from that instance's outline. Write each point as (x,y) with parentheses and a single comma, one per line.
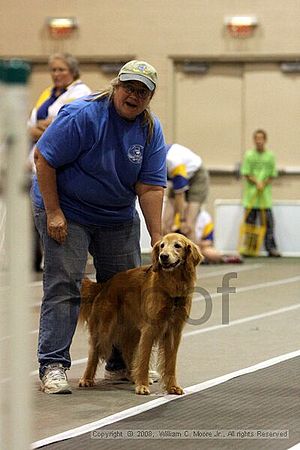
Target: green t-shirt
(261,165)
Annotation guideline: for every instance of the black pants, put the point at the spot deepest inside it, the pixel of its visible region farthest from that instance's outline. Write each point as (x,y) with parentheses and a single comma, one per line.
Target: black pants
(256,214)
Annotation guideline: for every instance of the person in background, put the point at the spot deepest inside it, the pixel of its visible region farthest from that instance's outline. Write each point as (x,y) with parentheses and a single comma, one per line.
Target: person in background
(204,232)
(189,182)
(99,155)
(66,87)
(259,170)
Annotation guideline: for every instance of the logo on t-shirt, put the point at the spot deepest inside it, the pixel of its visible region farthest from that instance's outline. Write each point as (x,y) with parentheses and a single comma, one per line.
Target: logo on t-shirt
(135,153)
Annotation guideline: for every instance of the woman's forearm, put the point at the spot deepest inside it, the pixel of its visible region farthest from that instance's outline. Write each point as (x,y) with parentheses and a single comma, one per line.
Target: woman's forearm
(46,176)
(151,201)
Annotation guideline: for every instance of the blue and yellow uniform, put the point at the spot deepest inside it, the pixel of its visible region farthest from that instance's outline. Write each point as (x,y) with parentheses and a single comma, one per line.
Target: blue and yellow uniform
(186,173)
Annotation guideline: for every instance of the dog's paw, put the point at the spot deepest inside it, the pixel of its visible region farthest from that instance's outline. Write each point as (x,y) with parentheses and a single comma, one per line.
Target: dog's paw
(175,390)
(84,382)
(141,389)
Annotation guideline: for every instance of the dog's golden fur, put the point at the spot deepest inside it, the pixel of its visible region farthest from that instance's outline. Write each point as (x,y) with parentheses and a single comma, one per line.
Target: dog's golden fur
(140,307)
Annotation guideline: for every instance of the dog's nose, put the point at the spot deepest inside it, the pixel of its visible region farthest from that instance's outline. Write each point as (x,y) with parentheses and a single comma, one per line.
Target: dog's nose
(164,257)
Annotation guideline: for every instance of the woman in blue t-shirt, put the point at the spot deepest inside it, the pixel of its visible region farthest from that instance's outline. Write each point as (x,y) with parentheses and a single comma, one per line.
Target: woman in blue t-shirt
(96,158)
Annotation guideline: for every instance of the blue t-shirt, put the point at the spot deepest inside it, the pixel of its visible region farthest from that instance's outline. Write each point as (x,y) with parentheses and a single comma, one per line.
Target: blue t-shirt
(99,157)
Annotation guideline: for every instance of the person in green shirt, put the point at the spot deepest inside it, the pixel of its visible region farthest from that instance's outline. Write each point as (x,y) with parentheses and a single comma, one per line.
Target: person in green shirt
(259,169)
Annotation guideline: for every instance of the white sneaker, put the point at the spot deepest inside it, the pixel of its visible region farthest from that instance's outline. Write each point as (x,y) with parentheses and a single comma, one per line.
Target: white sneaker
(154,376)
(55,380)
(116,375)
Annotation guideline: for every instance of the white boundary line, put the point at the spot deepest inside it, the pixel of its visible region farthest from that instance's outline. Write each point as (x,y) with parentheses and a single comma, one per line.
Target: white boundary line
(243,320)
(225,269)
(252,287)
(160,401)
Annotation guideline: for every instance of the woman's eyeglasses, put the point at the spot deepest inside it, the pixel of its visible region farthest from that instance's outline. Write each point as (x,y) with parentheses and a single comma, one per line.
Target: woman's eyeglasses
(142,93)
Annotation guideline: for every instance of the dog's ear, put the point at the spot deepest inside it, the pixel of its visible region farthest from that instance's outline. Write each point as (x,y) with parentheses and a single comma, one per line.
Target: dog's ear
(194,253)
(155,255)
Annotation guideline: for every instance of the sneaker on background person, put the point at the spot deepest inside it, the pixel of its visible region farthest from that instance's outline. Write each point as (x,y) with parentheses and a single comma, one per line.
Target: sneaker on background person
(232,259)
(116,375)
(122,375)
(274,253)
(154,376)
(115,368)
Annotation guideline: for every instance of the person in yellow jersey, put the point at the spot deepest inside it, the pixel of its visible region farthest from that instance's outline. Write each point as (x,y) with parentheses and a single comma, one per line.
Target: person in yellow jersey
(188,189)
(204,232)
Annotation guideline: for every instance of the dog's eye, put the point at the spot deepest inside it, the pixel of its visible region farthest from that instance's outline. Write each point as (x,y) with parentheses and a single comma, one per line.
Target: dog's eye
(177,245)
(162,245)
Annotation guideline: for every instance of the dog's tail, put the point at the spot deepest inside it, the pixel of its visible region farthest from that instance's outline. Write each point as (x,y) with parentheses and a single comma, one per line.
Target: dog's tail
(89,291)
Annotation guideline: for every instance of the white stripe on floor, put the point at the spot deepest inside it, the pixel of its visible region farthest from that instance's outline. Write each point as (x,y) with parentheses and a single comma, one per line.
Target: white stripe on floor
(244,320)
(226,268)
(252,287)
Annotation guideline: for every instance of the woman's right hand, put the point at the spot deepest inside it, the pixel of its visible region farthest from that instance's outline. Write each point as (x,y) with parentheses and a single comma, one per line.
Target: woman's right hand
(57,226)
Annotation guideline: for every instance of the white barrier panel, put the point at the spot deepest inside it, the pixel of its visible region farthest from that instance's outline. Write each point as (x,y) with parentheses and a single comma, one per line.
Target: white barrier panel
(229,215)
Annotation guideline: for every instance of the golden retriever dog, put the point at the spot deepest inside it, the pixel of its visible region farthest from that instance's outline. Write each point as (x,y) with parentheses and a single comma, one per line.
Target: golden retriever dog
(141,307)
